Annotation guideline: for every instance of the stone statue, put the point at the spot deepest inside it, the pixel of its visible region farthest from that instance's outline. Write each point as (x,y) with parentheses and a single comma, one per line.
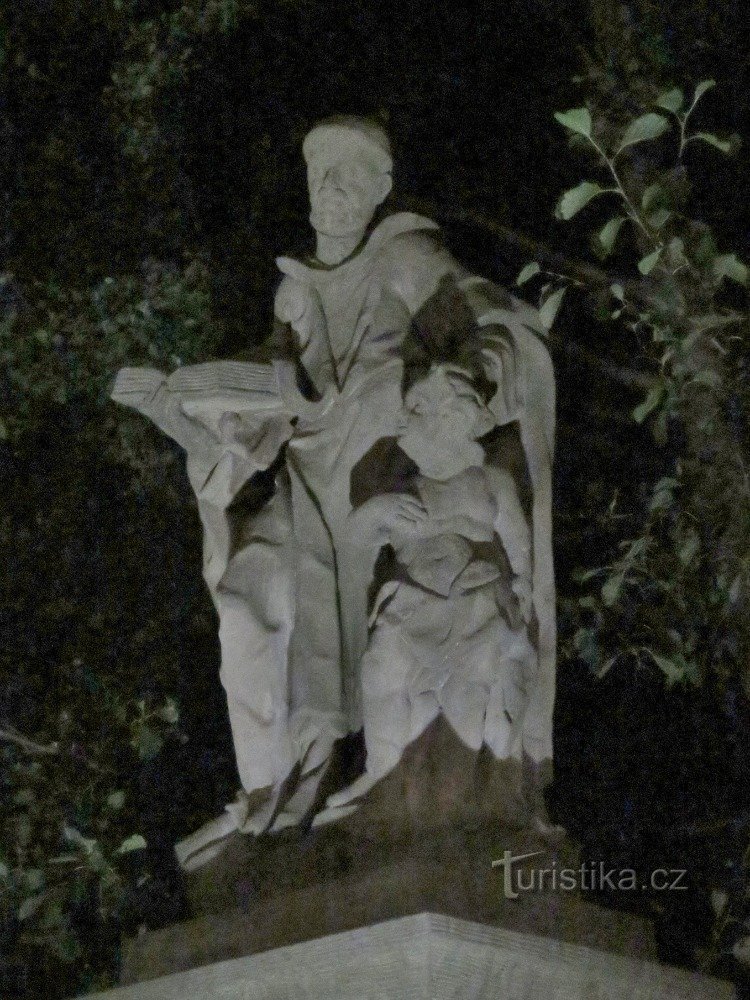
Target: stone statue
(450,626)
(293,466)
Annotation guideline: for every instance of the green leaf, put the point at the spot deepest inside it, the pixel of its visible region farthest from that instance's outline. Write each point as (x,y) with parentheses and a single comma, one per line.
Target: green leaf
(548,311)
(671,100)
(635,548)
(725,145)
(676,254)
(576,120)
(577,198)
(133,843)
(689,549)
(661,500)
(608,234)
(655,395)
(147,742)
(606,667)
(618,291)
(611,589)
(709,378)
(29,906)
(667,483)
(96,862)
(701,89)
(24,797)
(649,126)
(4,432)
(659,218)
(706,249)
(585,642)
(676,669)
(648,263)
(169,712)
(728,266)
(582,575)
(652,196)
(672,671)
(33,879)
(116,800)
(663,335)
(76,839)
(54,918)
(528,273)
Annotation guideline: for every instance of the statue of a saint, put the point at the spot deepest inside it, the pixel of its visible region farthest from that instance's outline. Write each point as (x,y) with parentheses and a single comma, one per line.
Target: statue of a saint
(279,460)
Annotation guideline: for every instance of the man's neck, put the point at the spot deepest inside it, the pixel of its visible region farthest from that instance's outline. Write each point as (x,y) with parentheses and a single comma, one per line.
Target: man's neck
(332,250)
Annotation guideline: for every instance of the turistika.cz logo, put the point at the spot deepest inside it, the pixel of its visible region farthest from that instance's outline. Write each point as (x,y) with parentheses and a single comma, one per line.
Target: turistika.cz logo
(592,876)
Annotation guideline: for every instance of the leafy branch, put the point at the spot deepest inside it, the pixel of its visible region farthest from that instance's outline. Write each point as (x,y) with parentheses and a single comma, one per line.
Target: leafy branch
(654,604)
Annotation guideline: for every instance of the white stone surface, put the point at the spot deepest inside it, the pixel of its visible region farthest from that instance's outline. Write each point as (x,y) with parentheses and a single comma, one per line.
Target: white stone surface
(429,957)
(445,637)
(288,576)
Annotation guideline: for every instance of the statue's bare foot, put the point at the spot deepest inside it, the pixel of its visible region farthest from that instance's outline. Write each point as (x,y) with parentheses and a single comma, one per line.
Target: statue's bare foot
(256,809)
(251,812)
(356,790)
(298,807)
(206,843)
(332,815)
(347,801)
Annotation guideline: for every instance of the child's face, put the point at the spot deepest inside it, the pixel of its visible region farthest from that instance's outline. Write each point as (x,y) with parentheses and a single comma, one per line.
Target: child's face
(439,422)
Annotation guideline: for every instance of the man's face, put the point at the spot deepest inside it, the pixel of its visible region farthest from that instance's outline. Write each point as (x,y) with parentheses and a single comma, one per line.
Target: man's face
(345,189)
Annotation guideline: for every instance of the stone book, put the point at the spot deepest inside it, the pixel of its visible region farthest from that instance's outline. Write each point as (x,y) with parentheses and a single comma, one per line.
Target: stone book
(250,384)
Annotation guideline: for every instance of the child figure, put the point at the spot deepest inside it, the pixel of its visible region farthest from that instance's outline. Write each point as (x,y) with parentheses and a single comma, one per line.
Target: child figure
(449,630)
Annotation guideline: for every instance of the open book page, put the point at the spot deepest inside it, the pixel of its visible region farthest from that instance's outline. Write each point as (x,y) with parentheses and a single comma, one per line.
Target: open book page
(204,390)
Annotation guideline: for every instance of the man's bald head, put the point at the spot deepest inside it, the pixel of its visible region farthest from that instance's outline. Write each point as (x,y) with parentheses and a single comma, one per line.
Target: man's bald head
(348,175)
(346,133)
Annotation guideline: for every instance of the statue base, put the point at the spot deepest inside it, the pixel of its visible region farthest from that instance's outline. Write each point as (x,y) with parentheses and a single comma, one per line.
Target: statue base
(431,955)
(417,844)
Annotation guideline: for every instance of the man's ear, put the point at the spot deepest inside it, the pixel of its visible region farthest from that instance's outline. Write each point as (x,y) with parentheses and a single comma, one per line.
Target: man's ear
(385,185)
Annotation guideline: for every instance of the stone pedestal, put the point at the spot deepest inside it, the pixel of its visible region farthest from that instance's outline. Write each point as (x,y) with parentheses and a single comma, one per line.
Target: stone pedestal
(430,957)
(401,899)
(419,843)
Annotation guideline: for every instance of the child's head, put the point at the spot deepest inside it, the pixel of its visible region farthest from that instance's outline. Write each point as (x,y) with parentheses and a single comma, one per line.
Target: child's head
(442,418)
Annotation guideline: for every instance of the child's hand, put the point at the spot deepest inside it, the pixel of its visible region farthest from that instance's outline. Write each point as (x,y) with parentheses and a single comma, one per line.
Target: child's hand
(390,514)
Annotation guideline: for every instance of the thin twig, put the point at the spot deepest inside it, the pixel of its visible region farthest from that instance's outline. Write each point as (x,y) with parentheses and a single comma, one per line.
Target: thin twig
(30,746)
(628,377)
(532,247)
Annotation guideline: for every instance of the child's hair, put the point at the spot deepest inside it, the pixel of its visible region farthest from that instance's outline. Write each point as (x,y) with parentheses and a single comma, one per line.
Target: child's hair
(464,386)
(444,331)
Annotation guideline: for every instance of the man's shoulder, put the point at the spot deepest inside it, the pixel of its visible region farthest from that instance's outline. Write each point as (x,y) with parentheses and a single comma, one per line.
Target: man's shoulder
(407,239)
(414,260)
